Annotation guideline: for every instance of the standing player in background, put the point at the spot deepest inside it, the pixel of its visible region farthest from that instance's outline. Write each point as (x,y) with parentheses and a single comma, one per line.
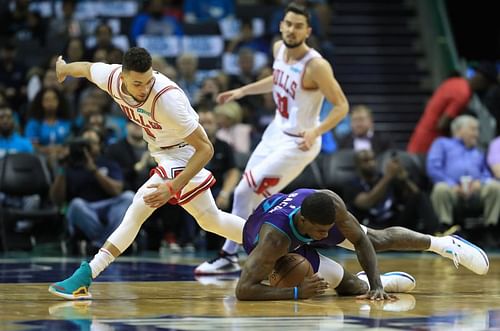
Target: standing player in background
(301,80)
(176,141)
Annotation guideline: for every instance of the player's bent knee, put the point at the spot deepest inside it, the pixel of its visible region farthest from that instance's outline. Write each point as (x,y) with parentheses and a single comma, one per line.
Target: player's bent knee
(76,204)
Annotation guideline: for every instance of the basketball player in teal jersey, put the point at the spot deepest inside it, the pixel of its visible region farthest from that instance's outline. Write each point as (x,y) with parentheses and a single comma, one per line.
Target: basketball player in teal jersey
(306,219)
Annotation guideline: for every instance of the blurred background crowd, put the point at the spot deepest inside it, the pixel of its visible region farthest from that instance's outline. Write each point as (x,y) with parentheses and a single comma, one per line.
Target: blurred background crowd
(420,147)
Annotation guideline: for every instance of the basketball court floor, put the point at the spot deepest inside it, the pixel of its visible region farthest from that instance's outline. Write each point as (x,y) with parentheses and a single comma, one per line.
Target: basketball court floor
(161,293)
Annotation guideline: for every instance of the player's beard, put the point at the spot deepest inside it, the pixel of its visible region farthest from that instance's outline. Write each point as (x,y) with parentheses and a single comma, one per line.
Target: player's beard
(292,45)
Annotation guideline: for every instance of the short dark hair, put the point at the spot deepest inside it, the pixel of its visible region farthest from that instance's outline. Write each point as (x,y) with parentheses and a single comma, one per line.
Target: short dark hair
(299,9)
(137,59)
(318,208)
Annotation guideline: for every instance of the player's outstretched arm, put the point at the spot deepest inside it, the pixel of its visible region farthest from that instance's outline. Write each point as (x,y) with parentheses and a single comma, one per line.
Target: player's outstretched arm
(265,85)
(260,263)
(74,69)
(352,231)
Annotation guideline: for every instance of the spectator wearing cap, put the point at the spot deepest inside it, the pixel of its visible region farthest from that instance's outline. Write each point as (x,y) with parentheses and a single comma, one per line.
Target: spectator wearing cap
(447,102)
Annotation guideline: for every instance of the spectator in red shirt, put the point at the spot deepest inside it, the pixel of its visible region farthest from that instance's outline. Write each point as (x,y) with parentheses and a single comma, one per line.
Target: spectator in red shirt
(448,101)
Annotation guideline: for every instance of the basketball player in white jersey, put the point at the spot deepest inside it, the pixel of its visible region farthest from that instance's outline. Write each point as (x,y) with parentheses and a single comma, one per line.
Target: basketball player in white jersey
(301,80)
(176,141)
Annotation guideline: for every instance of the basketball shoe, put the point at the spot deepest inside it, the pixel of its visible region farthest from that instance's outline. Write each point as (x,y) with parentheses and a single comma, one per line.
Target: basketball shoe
(465,253)
(224,263)
(393,282)
(75,287)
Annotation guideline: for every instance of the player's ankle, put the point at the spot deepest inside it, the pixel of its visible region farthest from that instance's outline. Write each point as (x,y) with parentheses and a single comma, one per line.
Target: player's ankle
(223,253)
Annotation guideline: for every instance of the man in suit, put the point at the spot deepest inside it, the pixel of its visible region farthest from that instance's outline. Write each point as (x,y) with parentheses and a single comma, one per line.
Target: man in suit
(363,135)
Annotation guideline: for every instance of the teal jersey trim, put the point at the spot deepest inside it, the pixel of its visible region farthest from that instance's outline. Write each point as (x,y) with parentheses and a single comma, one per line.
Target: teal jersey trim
(294,230)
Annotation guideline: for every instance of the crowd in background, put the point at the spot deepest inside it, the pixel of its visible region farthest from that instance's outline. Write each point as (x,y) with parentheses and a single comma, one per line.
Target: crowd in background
(96,157)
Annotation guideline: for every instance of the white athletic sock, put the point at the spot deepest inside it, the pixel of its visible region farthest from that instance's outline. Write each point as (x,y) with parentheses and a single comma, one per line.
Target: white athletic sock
(230,247)
(437,244)
(100,262)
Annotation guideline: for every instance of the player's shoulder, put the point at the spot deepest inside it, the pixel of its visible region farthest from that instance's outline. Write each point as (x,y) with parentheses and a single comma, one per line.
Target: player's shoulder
(318,64)
(101,67)
(271,235)
(276,46)
(164,84)
(339,203)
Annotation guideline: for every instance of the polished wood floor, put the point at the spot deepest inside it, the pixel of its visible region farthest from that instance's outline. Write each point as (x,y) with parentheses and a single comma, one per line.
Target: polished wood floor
(445,298)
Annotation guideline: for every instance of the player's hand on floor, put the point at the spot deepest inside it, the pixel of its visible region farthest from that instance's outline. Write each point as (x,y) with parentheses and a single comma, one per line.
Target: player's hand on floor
(312,286)
(158,197)
(377,294)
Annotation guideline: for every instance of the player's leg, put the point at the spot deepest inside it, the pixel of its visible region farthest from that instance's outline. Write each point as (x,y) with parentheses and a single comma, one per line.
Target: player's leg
(212,219)
(76,286)
(116,212)
(397,238)
(244,201)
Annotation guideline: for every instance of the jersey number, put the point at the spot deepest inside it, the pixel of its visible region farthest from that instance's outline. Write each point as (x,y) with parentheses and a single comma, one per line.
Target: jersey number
(283,105)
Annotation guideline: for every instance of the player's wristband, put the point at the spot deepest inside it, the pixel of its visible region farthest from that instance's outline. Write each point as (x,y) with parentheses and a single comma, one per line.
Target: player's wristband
(170,188)
(295,293)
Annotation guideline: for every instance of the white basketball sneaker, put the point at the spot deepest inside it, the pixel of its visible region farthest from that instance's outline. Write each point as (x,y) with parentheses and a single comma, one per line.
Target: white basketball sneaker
(393,282)
(465,253)
(223,264)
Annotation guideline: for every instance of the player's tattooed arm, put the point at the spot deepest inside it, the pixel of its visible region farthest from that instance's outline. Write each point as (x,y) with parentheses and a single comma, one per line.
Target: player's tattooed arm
(352,231)
(271,246)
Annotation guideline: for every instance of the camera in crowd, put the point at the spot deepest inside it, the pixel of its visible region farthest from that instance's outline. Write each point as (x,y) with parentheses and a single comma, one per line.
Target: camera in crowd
(77,147)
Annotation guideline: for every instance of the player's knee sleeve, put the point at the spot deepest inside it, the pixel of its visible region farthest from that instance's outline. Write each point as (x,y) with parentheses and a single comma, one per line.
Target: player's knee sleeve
(330,270)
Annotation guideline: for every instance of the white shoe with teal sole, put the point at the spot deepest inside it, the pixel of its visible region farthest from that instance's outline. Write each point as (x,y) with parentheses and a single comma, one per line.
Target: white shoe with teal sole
(75,287)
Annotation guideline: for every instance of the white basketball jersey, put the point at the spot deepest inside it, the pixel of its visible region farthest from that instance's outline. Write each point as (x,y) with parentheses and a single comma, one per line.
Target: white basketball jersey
(297,107)
(166,116)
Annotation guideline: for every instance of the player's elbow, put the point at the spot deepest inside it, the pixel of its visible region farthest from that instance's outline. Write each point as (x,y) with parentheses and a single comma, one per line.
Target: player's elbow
(243,292)
(343,108)
(207,149)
